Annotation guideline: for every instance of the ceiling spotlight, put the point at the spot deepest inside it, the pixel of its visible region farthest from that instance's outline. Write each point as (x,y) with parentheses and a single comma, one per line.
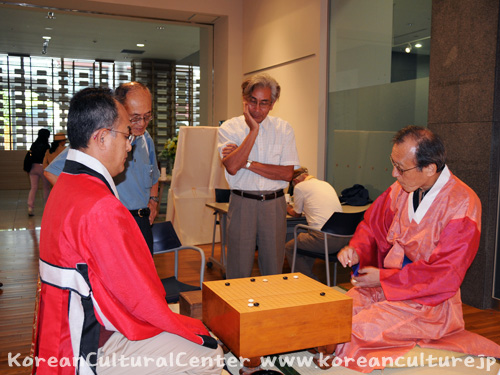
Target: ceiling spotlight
(408,48)
(51,16)
(418,45)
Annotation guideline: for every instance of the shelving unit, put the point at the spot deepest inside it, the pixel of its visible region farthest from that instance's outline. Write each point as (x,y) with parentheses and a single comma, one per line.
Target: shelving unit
(175,94)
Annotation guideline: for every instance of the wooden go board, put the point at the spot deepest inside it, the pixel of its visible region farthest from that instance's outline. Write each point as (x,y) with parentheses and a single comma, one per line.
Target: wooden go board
(275,314)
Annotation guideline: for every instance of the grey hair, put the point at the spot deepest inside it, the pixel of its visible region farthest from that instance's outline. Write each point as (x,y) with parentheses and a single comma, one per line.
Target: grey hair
(261,80)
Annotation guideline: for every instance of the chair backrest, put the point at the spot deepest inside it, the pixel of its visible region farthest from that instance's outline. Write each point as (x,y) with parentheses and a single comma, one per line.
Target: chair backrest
(343,223)
(164,236)
(222,195)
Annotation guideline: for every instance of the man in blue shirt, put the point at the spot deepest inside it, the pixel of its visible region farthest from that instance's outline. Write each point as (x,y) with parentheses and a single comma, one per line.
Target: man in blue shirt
(138,185)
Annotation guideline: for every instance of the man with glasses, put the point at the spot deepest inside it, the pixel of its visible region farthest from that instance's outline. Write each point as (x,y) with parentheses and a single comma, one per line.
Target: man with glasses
(259,154)
(90,310)
(413,248)
(138,185)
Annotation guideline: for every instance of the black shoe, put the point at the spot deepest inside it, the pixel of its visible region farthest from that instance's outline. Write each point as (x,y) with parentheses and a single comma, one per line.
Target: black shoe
(1,285)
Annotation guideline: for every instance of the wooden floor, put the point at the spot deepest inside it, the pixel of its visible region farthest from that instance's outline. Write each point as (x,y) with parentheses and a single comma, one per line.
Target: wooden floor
(19,269)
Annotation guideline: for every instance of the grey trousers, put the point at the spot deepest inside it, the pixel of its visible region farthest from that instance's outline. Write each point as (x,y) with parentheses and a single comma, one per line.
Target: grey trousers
(252,223)
(312,241)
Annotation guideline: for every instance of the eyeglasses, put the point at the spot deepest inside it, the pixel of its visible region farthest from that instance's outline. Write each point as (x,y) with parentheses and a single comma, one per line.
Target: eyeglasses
(137,119)
(264,104)
(130,136)
(399,169)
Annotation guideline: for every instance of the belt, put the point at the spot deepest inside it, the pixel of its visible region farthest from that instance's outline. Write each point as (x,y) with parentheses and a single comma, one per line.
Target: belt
(142,212)
(259,197)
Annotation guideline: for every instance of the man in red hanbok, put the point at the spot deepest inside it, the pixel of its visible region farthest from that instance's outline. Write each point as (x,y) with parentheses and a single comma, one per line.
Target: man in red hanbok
(95,318)
(413,249)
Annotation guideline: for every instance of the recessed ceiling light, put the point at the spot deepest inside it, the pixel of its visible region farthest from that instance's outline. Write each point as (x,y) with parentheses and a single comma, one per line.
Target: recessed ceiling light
(160,27)
(140,44)
(49,28)
(47,37)
(418,45)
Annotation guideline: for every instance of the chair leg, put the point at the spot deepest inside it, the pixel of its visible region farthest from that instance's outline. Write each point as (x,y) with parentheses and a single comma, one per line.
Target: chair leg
(294,249)
(335,274)
(222,228)
(327,262)
(202,259)
(176,264)
(213,234)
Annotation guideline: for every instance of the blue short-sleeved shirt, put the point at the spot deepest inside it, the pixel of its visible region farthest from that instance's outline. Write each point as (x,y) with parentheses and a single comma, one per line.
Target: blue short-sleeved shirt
(141,172)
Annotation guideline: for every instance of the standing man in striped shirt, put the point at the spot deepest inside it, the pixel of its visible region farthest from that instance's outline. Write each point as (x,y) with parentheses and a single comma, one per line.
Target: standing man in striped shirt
(260,155)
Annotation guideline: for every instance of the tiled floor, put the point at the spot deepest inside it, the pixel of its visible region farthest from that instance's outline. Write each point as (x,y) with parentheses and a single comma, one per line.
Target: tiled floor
(14,210)
(19,235)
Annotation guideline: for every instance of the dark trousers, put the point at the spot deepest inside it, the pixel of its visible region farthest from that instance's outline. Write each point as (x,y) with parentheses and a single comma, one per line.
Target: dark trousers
(145,227)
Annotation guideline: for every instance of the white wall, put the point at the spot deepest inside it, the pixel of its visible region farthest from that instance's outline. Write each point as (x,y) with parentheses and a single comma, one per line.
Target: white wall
(283,38)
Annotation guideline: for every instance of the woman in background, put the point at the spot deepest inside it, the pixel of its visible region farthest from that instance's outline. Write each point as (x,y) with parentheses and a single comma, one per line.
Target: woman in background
(55,149)
(38,149)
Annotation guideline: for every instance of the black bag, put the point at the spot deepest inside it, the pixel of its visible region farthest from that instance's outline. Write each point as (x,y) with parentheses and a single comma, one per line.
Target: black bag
(357,195)
(28,161)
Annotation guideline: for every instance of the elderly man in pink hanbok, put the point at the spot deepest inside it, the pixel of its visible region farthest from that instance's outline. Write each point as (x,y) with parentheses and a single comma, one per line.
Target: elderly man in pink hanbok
(413,248)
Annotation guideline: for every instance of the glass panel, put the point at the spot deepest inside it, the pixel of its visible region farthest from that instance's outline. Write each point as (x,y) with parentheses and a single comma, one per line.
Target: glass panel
(376,87)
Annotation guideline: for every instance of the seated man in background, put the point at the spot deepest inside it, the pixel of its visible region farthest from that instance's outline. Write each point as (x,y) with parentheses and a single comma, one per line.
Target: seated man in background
(89,307)
(138,184)
(413,247)
(318,201)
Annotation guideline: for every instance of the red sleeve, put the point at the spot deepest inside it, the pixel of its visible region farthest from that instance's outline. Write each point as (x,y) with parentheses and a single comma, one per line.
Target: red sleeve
(370,241)
(438,279)
(125,283)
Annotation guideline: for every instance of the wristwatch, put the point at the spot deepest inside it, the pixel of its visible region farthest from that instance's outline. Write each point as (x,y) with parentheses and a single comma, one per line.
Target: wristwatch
(156,199)
(249,163)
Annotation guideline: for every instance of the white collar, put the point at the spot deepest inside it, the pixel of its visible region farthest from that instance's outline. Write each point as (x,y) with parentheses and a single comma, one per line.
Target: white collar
(92,163)
(426,202)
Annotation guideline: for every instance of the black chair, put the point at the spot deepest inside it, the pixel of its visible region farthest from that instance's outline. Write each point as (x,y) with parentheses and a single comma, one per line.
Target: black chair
(340,224)
(165,240)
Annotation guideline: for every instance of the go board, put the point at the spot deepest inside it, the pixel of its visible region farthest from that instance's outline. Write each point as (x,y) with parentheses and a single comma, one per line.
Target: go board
(274,314)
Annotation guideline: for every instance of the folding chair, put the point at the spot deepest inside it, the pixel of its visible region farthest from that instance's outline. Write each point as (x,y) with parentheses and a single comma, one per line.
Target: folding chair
(340,224)
(165,240)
